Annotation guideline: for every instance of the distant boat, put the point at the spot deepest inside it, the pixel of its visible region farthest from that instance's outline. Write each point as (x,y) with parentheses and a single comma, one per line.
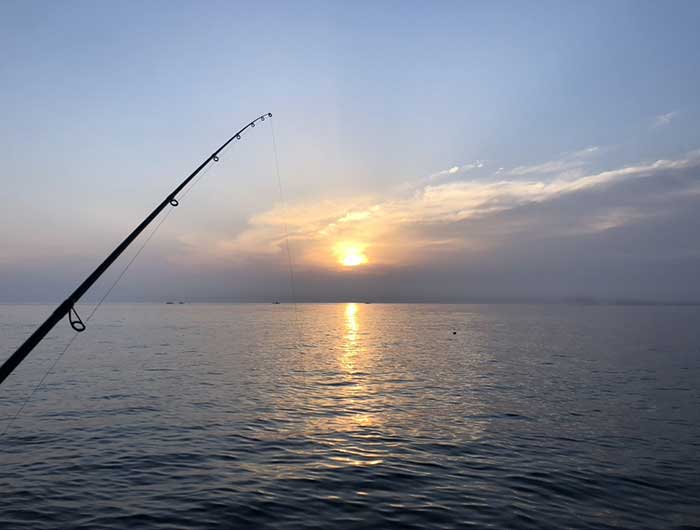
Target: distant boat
(276,302)
(181,302)
(170,303)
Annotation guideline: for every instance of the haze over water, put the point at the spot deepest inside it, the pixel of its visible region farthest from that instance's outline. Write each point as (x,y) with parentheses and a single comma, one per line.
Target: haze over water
(356,416)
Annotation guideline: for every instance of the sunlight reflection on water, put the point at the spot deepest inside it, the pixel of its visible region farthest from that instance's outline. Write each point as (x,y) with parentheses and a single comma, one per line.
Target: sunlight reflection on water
(356,415)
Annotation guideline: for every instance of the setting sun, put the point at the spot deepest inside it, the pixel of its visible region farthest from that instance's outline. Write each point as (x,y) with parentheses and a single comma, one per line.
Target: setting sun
(352,260)
(350,255)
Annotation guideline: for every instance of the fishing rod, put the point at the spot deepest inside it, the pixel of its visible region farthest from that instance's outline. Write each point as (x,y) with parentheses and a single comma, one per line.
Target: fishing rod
(68,306)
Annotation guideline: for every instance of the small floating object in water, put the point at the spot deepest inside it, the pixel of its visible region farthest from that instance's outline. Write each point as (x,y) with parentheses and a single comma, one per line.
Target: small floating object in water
(276,302)
(454,333)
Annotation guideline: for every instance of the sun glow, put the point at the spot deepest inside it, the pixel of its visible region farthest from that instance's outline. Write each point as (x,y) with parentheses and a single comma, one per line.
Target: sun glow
(353,260)
(350,255)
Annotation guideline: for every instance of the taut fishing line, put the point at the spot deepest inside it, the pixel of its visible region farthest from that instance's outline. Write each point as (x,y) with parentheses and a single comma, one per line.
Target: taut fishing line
(67,307)
(153,232)
(290,260)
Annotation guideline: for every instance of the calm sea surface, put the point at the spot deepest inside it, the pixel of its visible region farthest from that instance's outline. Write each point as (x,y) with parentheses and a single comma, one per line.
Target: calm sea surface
(355,416)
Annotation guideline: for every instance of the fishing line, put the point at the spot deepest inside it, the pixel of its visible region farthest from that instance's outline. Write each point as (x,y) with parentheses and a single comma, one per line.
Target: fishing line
(41,381)
(92,313)
(290,261)
(105,295)
(67,307)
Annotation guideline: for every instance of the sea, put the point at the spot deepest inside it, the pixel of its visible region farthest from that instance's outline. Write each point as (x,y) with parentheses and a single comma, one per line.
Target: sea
(354,416)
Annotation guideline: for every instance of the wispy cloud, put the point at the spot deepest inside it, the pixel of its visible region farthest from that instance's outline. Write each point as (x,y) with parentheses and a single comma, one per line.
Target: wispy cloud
(399,229)
(566,162)
(665,119)
(456,170)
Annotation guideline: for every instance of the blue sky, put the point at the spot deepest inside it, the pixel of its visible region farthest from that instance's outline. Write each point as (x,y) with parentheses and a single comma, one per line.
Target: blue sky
(106,106)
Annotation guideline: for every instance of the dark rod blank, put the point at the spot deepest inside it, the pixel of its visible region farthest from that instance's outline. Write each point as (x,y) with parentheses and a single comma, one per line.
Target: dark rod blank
(62,310)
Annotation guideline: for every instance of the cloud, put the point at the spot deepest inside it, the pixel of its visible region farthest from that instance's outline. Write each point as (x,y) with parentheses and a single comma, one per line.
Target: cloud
(567,162)
(454,170)
(466,215)
(624,232)
(665,119)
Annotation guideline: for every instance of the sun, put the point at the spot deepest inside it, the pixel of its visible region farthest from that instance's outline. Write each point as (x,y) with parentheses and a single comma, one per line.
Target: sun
(353,260)
(350,255)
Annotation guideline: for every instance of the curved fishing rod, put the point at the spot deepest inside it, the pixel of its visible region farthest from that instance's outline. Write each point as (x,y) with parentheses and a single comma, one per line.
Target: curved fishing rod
(67,307)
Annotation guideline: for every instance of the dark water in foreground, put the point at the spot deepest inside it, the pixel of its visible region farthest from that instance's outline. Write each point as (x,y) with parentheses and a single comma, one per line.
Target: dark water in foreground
(358,416)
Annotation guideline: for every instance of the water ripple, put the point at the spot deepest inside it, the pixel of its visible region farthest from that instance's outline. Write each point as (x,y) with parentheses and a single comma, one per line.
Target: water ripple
(357,416)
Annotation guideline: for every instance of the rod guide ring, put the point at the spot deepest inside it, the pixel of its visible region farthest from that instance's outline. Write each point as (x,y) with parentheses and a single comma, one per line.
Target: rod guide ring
(75,321)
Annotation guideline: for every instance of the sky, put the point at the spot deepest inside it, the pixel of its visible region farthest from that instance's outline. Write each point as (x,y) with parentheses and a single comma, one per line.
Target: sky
(427,151)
